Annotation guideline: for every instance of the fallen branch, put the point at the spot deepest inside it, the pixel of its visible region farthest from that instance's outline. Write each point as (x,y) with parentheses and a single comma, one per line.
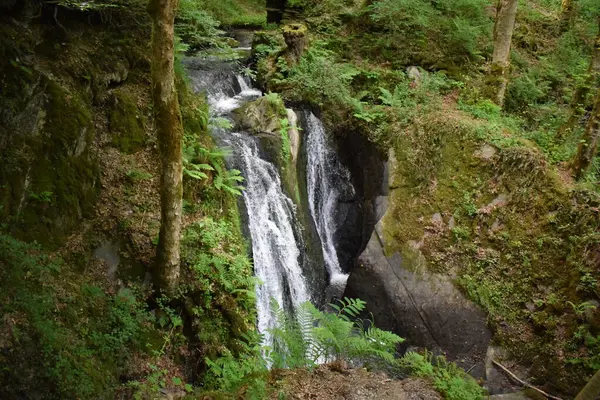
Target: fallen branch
(522,382)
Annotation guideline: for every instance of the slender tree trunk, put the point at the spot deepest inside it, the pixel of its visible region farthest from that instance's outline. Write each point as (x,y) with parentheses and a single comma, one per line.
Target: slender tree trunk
(591,390)
(582,91)
(170,135)
(588,147)
(566,14)
(506,13)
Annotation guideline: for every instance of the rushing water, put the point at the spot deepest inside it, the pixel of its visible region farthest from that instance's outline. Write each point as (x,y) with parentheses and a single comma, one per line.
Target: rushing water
(271,220)
(327,178)
(279,254)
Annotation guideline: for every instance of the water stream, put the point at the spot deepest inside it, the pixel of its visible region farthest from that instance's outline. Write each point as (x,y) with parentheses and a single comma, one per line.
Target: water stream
(281,261)
(326,179)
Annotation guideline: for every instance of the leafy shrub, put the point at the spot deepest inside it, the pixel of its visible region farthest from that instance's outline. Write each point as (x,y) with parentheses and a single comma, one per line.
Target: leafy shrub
(449,379)
(196,27)
(319,80)
(236,12)
(313,336)
(221,277)
(460,25)
(67,333)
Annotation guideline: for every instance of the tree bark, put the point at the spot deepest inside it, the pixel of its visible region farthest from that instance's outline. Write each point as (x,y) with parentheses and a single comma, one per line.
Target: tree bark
(591,390)
(581,92)
(588,146)
(170,135)
(566,14)
(296,40)
(506,13)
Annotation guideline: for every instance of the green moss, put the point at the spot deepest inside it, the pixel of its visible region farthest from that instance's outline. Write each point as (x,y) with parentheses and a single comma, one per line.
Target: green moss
(126,123)
(68,338)
(61,169)
(530,249)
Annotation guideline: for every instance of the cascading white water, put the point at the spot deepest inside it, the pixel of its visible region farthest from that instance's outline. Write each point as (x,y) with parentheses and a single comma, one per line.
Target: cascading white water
(271,214)
(271,219)
(324,190)
(279,254)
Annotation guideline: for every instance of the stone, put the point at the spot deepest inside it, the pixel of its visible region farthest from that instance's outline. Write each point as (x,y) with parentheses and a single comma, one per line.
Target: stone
(486,152)
(109,253)
(451,223)
(510,396)
(414,75)
(261,116)
(497,381)
(293,134)
(423,307)
(437,219)
(500,201)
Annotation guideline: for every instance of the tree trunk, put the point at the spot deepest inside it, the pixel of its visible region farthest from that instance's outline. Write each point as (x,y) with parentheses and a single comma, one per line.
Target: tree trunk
(566,14)
(170,135)
(591,390)
(296,39)
(588,145)
(581,93)
(506,13)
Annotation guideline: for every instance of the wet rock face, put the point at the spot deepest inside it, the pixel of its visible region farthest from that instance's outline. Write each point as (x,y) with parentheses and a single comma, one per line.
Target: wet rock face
(403,296)
(357,213)
(423,307)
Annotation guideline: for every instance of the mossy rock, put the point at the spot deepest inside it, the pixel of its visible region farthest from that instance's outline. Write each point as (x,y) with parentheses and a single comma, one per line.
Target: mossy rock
(506,227)
(262,116)
(51,171)
(126,123)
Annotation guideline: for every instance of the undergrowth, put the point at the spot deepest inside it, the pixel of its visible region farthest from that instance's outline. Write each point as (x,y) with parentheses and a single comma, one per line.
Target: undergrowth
(313,336)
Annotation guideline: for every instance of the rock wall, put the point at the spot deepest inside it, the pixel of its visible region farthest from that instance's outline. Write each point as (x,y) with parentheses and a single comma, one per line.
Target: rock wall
(59,98)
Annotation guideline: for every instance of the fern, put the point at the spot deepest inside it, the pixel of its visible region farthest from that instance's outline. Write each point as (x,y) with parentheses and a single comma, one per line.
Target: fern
(195,170)
(228,180)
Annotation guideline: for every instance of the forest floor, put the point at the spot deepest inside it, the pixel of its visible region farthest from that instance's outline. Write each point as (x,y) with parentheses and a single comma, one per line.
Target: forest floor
(335,382)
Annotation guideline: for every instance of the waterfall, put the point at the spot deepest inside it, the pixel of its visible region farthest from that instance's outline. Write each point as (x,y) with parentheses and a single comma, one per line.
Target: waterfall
(327,179)
(281,261)
(271,218)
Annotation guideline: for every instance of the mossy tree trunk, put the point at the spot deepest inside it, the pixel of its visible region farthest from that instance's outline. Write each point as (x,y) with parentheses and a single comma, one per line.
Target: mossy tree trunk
(588,145)
(591,390)
(578,102)
(497,81)
(296,39)
(170,135)
(566,14)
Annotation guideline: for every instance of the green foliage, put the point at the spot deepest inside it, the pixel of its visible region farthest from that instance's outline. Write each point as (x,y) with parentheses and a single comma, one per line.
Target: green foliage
(285,140)
(221,275)
(449,379)
(236,12)
(462,26)
(303,341)
(248,372)
(317,79)
(196,27)
(136,174)
(69,334)
(228,180)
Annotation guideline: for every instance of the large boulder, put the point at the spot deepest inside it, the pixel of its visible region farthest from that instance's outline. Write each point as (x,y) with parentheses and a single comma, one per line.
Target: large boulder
(261,116)
(424,307)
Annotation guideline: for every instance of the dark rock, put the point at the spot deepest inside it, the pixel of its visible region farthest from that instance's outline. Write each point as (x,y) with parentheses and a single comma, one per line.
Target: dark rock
(423,307)
(359,211)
